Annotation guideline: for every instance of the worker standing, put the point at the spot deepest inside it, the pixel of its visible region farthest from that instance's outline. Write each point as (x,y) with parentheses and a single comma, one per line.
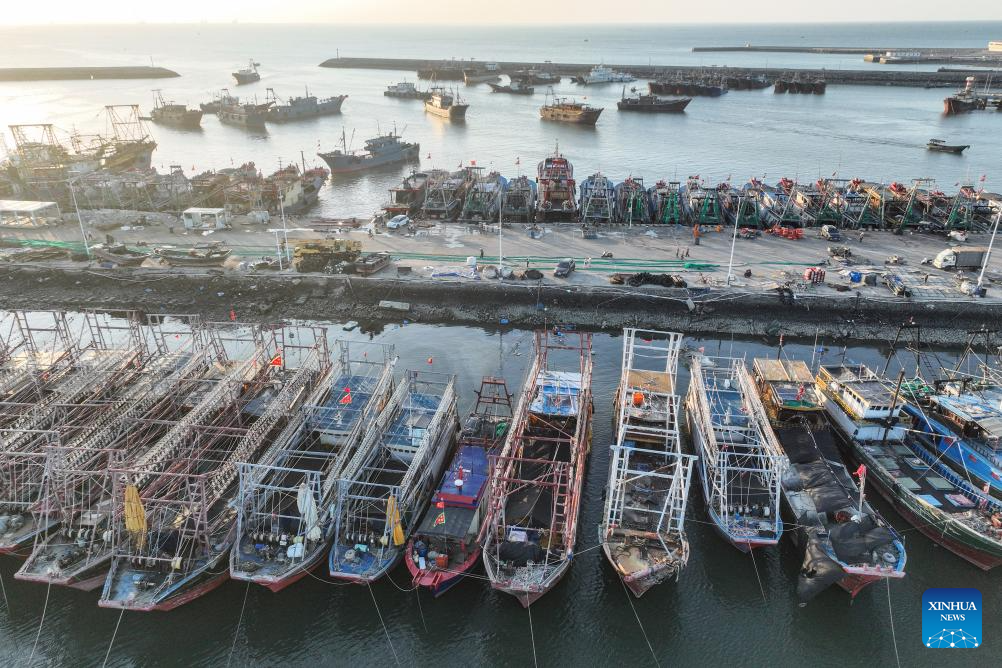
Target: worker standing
(695,235)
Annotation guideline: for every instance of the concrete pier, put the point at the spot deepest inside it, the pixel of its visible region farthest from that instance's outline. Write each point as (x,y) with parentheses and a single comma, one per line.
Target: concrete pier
(77,73)
(868,77)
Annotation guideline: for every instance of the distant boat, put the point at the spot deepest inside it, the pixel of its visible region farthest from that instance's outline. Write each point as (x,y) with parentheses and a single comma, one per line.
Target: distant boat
(562,110)
(221,99)
(653,103)
(446,105)
(308,106)
(169,113)
(943,147)
(475,76)
(407,91)
(381,150)
(244,115)
(516,87)
(601,74)
(246,75)
(119,254)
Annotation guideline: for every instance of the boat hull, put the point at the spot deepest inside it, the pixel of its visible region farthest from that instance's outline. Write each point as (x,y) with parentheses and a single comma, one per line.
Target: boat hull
(440,581)
(456,112)
(583,117)
(341,164)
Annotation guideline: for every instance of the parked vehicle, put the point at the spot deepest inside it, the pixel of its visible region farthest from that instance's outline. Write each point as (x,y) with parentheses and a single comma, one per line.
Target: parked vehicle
(961,258)
(396,222)
(831,233)
(564,268)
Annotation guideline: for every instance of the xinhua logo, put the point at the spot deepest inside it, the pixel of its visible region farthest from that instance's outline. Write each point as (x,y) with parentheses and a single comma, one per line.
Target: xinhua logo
(951,618)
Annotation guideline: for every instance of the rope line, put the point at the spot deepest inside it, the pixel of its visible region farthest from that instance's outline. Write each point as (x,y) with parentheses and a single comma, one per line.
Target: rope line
(48,588)
(643,631)
(890,611)
(761,589)
(532,633)
(240,619)
(114,635)
(385,630)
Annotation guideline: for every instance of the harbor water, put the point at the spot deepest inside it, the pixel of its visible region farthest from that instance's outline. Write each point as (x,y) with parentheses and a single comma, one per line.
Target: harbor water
(727,607)
(876,133)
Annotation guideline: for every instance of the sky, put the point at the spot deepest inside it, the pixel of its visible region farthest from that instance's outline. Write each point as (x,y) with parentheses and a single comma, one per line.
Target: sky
(18,12)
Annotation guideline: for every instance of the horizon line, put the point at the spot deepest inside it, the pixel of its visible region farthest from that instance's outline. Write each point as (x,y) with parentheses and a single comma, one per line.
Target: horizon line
(471,24)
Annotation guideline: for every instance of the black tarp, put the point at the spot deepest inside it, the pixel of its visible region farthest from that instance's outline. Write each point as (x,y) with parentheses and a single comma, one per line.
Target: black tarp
(520,553)
(819,570)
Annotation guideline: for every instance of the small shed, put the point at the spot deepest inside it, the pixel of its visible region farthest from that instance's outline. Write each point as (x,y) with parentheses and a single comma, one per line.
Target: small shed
(201,218)
(22,214)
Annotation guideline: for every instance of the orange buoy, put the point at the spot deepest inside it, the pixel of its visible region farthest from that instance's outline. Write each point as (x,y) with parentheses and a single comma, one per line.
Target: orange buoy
(638,399)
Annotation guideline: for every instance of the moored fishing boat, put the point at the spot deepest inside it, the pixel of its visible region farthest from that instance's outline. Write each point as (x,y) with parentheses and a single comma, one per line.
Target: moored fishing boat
(632,205)
(385,149)
(701,204)
(298,108)
(519,202)
(875,432)
(530,530)
(385,487)
(600,74)
(776,207)
(666,203)
(642,531)
(170,113)
(555,176)
(244,115)
(174,516)
(598,199)
(119,254)
(205,256)
(444,194)
(483,197)
(740,465)
(515,87)
(444,546)
(844,540)
(408,197)
(284,521)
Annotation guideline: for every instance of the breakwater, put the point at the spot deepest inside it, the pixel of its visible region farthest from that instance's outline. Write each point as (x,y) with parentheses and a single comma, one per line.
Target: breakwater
(77,73)
(871,77)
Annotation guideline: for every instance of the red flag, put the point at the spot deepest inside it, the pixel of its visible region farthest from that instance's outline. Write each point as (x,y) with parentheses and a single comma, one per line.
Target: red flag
(276,360)
(233,315)
(860,472)
(440,504)
(346,399)
(430,360)
(473,163)
(800,392)
(459,473)
(440,519)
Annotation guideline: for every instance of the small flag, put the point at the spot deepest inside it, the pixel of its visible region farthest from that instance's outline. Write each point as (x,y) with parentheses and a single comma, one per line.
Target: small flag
(276,361)
(440,504)
(440,519)
(860,472)
(473,163)
(233,315)
(430,360)
(346,399)
(800,392)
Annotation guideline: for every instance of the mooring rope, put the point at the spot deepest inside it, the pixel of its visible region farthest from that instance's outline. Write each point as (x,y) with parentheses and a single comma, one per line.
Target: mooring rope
(41,622)
(240,619)
(417,592)
(385,630)
(3,588)
(113,636)
(532,634)
(751,551)
(894,637)
(643,631)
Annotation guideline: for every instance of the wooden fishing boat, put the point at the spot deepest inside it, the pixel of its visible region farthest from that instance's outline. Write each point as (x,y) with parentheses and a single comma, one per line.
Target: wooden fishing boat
(386,486)
(284,519)
(844,540)
(875,432)
(943,147)
(193,257)
(642,531)
(740,464)
(444,547)
(119,254)
(529,533)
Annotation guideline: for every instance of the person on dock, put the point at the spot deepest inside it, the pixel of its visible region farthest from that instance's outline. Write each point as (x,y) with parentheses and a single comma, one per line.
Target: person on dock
(695,236)
(861,235)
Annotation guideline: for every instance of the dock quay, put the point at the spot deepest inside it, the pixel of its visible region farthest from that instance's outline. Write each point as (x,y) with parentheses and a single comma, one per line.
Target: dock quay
(75,73)
(865,77)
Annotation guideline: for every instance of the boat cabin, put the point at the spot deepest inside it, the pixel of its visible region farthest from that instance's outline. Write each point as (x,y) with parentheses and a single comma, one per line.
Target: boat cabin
(788,390)
(201,218)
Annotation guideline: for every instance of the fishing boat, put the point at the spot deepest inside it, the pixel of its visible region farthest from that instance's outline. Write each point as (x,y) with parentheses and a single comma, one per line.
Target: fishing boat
(298,108)
(515,87)
(776,207)
(249,74)
(666,203)
(876,433)
(175,519)
(372,263)
(739,206)
(384,149)
(483,197)
(446,71)
(942,147)
(519,202)
(562,110)
(488,73)
(206,256)
(243,115)
(406,90)
(446,105)
(704,86)
(170,113)
(284,521)
(221,99)
(740,464)
(530,530)
(598,200)
(653,103)
(534,77)
(386,486)
(814,205)
(632,205)
(642,530)
(600,74)
(444,194)
(407,198)
(444,547)
(119,254)
(555,176)
(844,540)
(700,204)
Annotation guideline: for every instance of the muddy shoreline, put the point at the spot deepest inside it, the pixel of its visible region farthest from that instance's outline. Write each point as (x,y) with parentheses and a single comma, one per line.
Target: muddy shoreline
(261,297)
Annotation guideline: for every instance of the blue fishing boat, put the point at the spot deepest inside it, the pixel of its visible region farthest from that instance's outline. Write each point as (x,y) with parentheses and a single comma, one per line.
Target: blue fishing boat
(444,547)
(598,199)
(740,464)
(387,485)
(284,520)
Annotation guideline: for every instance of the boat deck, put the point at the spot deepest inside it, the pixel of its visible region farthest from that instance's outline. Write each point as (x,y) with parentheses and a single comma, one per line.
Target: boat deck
(556,394)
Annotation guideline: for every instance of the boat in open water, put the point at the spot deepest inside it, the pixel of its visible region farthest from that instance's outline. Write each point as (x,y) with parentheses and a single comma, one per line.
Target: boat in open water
(444,547)
(284,521)
(385,487)
(642,530)
(171,113)
(530,531)
(446,105)
(740,464)
(844,540)
(876,432)
(247,75)
(653,104)
(302,107)
(563,110)
(385,149)
(515,87)
(405,90)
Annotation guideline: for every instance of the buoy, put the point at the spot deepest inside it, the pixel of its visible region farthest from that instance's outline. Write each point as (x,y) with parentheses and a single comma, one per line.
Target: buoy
(430,360)
(638,399)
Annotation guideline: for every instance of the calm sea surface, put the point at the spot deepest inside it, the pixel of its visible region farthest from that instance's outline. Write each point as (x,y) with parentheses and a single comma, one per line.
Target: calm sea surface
(726,608)
(869,132)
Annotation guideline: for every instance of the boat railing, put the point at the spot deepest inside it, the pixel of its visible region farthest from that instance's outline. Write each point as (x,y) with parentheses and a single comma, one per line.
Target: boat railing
(444,412)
